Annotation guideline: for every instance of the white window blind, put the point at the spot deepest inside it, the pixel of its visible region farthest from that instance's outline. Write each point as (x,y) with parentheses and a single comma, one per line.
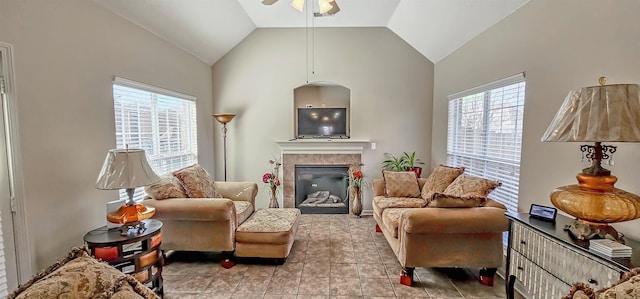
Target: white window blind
(159,121)
(485,134)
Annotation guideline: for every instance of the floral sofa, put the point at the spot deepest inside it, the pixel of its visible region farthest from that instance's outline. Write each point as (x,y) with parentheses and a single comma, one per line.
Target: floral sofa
(445,220)
(81,276)
(199,214)
(627,287)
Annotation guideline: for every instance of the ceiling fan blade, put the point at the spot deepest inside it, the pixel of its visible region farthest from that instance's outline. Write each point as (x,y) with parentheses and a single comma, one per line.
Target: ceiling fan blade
(269,2)
(334,9)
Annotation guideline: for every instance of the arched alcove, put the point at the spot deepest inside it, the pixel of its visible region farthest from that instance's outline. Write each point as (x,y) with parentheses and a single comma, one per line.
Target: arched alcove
(322,95)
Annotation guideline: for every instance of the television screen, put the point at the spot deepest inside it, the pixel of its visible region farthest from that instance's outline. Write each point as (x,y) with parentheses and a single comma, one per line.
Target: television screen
(322,122)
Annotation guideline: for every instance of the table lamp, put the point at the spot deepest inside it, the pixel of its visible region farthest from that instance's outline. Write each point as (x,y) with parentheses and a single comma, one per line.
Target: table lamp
(604,113)
(127,169)
(224,119)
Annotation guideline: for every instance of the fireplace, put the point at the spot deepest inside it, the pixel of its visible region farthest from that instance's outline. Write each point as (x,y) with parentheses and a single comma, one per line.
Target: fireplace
(322,189)
(305,152)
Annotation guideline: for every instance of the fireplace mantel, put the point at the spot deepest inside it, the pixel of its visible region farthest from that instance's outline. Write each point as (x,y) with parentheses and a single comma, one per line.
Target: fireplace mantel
(322,146)
(316,152)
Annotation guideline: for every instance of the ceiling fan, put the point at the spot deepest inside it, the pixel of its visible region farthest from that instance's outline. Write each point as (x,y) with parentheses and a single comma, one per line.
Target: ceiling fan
(329,7)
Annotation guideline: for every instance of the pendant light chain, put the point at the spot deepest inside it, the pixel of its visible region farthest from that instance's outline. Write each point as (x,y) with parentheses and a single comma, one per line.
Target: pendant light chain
(307,41)
(313,42)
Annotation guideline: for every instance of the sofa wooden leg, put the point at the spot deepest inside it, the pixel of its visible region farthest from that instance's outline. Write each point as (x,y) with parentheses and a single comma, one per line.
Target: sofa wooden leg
(227,263)
(227,260)
(406,278)
(486,276)
(279,261)
(378,229)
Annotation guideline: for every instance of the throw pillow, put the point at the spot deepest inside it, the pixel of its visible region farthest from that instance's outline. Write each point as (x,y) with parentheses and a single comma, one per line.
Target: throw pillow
(400,184)
(466,185)
(197,182)
(439,179)
(439,200)
(168,187)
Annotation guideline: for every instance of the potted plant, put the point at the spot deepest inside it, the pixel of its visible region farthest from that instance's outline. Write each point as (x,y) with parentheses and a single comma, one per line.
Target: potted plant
(410,162)
(393,163)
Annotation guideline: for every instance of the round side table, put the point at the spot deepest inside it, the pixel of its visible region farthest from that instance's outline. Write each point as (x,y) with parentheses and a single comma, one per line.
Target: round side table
(138,255)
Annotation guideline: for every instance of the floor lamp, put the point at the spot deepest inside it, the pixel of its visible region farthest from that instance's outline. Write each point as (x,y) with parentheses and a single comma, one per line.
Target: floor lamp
(224,118)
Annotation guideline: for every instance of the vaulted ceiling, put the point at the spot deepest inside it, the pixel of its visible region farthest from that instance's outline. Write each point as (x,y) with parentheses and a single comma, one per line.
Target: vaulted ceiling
(208,29)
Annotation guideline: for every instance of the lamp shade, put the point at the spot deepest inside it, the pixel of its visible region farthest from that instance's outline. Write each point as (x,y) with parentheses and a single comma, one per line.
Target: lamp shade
(125,169)
(598,113)
(324,5)
(224,118)
(298,4)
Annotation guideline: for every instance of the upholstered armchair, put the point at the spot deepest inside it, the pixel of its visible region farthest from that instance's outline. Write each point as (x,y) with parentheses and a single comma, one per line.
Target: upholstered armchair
(199,214)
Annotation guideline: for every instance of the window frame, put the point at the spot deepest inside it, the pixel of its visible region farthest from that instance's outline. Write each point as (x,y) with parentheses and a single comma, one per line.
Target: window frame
(157,95)
(484,156)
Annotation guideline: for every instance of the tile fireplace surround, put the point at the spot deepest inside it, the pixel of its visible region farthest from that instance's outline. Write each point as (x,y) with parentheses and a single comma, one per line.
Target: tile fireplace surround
(315,152)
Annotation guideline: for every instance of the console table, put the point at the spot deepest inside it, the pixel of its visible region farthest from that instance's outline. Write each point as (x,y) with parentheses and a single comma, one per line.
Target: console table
(543,260)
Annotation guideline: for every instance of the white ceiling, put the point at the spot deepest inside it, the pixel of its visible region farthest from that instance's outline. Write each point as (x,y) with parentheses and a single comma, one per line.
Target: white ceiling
(208,29)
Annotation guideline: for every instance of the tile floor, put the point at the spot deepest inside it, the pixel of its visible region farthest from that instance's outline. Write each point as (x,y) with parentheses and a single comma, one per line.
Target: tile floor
(334,256)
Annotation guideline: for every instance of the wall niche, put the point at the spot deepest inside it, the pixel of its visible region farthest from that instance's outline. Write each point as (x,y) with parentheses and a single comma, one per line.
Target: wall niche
(321,95)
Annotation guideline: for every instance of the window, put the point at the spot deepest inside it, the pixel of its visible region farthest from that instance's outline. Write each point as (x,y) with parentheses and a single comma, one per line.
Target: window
(485,134)
(161,122)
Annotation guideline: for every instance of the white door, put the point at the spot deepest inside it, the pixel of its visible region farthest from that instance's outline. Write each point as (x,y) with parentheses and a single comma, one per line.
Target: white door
(8,261)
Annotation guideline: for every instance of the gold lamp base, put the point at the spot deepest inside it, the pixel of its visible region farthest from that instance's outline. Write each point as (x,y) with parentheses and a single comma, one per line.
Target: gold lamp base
(596,202)
(131,216)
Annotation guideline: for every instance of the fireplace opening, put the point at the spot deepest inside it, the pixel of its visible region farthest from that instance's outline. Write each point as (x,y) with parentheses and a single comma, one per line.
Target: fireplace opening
(322,189)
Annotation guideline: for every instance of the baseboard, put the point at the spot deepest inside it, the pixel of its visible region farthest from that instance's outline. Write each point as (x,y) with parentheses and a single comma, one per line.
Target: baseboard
(367,213)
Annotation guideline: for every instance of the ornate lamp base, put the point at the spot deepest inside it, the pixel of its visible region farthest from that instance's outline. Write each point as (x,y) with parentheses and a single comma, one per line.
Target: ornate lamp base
(595,202)
(131,216)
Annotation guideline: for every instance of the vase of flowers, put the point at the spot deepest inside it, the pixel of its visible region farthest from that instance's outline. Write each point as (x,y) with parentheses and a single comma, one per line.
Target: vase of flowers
(271,178)
(356,182)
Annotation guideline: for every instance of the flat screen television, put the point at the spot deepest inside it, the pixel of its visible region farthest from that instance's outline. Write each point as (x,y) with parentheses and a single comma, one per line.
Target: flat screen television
(322,123)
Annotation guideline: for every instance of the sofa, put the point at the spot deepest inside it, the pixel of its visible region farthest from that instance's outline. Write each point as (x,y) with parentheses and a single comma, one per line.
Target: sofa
(627,287)
(79,275)
(427,223)
(199,214)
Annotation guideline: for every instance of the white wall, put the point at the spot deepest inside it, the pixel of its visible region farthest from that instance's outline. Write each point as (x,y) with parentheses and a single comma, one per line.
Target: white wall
(561,45)
(66,55)
(391,95)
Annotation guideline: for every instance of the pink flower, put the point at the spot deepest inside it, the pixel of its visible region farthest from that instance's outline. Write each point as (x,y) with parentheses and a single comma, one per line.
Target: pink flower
(266,177)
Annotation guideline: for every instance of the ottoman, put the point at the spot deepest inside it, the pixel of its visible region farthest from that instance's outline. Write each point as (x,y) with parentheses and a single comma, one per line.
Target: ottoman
(268,233)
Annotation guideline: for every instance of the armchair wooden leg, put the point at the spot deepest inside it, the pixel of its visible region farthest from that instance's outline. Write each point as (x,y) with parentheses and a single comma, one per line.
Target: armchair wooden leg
(406,278)
(227,261)
(486,276)
(378,229)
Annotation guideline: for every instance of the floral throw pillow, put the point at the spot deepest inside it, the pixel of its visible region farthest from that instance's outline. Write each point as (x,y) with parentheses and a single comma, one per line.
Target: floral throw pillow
(466,185)
(439,179)
(168,187)
(401,184)
(197,182)
(439,200)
